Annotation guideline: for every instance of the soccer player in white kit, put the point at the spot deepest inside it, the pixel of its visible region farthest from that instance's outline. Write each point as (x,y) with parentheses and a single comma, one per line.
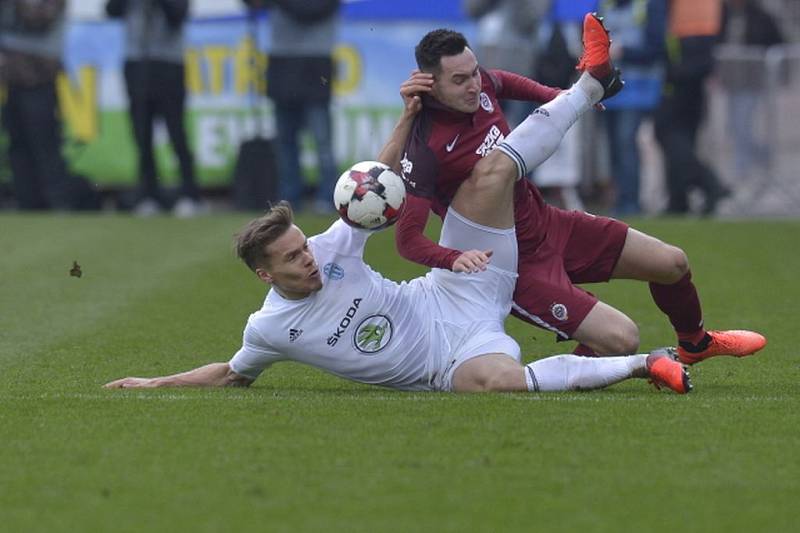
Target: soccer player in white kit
(442,332)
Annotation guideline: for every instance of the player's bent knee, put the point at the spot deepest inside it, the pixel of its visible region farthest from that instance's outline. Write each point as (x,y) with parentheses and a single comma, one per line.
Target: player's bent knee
(619,338)
(491,372)
(680,263)
(493,169)
(506,379)
(629,342)
(625,339)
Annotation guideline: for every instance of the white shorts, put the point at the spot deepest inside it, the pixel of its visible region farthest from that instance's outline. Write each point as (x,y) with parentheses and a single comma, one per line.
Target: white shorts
(471,308)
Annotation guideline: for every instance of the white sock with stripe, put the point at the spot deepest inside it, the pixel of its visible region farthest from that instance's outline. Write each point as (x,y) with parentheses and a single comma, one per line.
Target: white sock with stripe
(538,136)
(573,372)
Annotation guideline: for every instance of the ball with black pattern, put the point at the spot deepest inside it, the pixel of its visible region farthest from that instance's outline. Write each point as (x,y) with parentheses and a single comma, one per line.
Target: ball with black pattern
(369,195)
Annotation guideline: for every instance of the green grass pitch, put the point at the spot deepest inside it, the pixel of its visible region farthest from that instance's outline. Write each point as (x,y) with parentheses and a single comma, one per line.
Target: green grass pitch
(303,451)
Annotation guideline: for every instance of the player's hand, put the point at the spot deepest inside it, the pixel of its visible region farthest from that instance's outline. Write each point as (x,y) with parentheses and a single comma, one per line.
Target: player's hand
(472,261)
(131,383)
(413,88)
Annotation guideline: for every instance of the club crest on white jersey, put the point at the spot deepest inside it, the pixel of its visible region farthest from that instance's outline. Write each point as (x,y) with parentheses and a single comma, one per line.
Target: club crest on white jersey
(333,271)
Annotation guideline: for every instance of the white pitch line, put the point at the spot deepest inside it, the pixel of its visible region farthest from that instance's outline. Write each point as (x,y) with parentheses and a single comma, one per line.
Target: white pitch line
(417,397)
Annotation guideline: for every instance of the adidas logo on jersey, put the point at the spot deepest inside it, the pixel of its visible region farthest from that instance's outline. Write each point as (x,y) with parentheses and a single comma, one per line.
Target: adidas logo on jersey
(294,334)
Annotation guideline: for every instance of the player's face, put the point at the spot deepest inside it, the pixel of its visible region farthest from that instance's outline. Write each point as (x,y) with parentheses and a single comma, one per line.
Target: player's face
(458,84)
(292,269)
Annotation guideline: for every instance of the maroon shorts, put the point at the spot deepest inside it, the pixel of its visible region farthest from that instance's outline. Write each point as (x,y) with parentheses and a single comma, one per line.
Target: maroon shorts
(579,248)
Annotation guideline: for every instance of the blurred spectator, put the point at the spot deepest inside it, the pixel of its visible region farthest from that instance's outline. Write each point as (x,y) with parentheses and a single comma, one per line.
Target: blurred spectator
(746,23)
(693,30)
(638,30)
(559,47)
(507,40)
(154,77)
(299,78)
(31,43)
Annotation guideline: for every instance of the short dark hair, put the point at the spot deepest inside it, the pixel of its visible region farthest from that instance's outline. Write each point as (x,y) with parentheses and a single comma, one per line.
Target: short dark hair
(435,45)
(253,239)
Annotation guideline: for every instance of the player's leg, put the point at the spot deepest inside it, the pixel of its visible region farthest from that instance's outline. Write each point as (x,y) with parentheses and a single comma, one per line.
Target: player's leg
(572,313)
(502,373)
(607,331)
(538,136)
(486,197)
(647,258)
(546,294)
(666,268)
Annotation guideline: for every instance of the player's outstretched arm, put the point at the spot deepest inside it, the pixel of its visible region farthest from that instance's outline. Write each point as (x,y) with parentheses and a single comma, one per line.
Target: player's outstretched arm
(411,92)
(212,375)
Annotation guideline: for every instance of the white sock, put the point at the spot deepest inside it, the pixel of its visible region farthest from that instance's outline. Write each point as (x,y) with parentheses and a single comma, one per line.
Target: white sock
(538,136)
(574,372)
(592,89)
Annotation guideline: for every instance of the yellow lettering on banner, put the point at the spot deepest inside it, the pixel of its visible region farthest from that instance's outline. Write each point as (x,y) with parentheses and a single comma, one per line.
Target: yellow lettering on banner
(249,66)
(216,56)
(79,104)
(193,75)
(349,69)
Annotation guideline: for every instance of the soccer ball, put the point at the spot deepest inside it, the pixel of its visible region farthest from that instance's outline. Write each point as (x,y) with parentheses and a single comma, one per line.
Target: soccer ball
(369,195)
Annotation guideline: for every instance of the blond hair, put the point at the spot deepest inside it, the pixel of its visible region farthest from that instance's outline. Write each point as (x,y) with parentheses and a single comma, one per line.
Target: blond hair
(252,240)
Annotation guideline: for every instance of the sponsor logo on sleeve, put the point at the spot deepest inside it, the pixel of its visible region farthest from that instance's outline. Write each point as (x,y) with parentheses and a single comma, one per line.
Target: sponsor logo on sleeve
(406,166)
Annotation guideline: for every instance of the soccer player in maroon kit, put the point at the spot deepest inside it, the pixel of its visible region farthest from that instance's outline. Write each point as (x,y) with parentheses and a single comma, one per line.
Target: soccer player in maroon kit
(460,123)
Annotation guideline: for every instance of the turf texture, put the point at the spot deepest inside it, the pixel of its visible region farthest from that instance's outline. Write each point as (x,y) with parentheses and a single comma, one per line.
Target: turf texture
(303,451)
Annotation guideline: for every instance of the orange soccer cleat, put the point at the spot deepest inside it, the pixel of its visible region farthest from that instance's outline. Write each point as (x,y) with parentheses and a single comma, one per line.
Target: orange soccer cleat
(596,59)
(735,343)
(665,371)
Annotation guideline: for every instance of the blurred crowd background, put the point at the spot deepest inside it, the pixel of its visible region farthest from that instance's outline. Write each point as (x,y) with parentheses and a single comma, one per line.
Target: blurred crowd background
(186,107)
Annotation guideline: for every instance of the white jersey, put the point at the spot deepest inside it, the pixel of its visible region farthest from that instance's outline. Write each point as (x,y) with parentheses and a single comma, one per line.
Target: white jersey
(359,325)
(364,327)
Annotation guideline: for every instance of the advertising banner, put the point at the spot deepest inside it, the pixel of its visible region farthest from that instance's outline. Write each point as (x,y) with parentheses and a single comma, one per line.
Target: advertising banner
(225,65)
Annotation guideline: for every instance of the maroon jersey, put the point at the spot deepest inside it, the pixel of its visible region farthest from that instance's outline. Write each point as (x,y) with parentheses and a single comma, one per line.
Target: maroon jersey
(440,153)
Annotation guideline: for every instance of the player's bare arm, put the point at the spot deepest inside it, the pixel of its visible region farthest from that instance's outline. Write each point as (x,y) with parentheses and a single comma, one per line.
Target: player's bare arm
(411,90)
(211,375)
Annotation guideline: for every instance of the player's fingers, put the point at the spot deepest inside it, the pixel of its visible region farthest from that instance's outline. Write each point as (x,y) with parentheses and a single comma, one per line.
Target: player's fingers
(124,383)
(424,82)
(476,261)
(481,260)
(116,384)
(413,88)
